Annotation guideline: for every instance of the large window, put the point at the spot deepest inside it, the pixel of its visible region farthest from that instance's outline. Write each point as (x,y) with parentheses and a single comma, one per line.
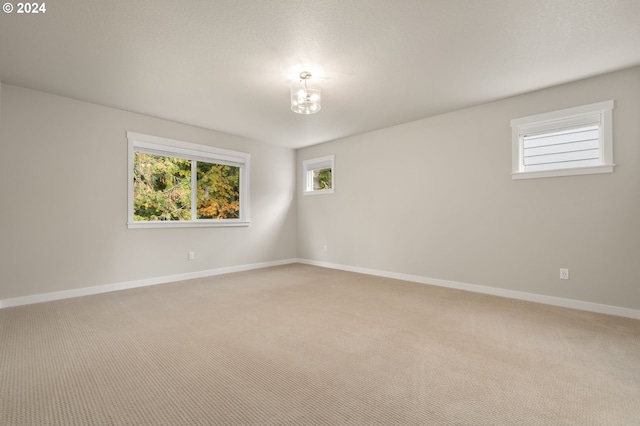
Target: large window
(174,183)
(318,175)
(572,141)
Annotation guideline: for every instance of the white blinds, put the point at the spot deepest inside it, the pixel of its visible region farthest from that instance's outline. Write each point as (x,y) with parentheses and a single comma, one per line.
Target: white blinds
(189,151)
(186,156)
(320,165)
(563,148)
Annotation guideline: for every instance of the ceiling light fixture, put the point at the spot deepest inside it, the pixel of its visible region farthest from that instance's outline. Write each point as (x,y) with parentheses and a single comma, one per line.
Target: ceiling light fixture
(305,101)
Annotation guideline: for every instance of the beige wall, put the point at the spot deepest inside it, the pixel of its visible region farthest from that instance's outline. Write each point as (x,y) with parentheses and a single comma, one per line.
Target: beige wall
(435,198)
(432,198)
(63,171)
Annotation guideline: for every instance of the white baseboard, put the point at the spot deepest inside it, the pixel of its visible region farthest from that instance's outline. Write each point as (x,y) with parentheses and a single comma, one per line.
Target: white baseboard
(86,291)
(511,294)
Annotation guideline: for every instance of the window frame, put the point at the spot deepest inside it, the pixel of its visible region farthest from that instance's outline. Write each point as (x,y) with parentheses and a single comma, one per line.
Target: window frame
(138,142)
(308,166)
(600,112)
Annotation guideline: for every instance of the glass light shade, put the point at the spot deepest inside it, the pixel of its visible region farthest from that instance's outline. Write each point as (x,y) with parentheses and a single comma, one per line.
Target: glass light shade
(305,101)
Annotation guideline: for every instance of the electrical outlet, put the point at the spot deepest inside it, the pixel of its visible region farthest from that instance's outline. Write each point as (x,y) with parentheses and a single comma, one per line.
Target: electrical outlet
(564,274)
(191,255)
(325,248)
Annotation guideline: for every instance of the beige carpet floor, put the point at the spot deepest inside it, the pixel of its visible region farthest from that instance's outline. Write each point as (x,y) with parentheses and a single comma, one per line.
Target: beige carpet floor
(301,345)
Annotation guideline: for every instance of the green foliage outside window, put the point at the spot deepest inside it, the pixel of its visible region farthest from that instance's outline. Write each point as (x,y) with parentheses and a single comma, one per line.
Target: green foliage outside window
(218,191)
(321,179)
(162,189)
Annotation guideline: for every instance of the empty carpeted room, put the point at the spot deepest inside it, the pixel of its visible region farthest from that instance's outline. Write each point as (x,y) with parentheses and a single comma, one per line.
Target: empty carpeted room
(247,212)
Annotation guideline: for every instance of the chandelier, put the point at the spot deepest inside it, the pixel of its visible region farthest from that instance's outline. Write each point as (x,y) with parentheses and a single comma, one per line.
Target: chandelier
(303,100)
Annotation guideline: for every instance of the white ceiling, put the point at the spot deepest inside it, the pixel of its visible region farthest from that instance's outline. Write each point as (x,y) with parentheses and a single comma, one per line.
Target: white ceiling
(229,65)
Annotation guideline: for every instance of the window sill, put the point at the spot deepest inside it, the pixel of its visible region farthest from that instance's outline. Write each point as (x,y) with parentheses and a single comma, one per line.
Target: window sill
(606,168)
(318,192)
(187,224)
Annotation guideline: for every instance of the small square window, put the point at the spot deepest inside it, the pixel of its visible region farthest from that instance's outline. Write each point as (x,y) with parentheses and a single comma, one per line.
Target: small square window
(318,175)
(572,141)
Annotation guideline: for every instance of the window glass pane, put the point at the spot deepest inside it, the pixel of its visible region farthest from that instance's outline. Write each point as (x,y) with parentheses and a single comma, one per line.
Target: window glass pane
(218,191)
(321,179)
(578,147)
(161,188)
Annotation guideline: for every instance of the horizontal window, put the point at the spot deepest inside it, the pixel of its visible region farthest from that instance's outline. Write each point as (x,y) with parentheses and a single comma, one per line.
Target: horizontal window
(176,184)
(567,142)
